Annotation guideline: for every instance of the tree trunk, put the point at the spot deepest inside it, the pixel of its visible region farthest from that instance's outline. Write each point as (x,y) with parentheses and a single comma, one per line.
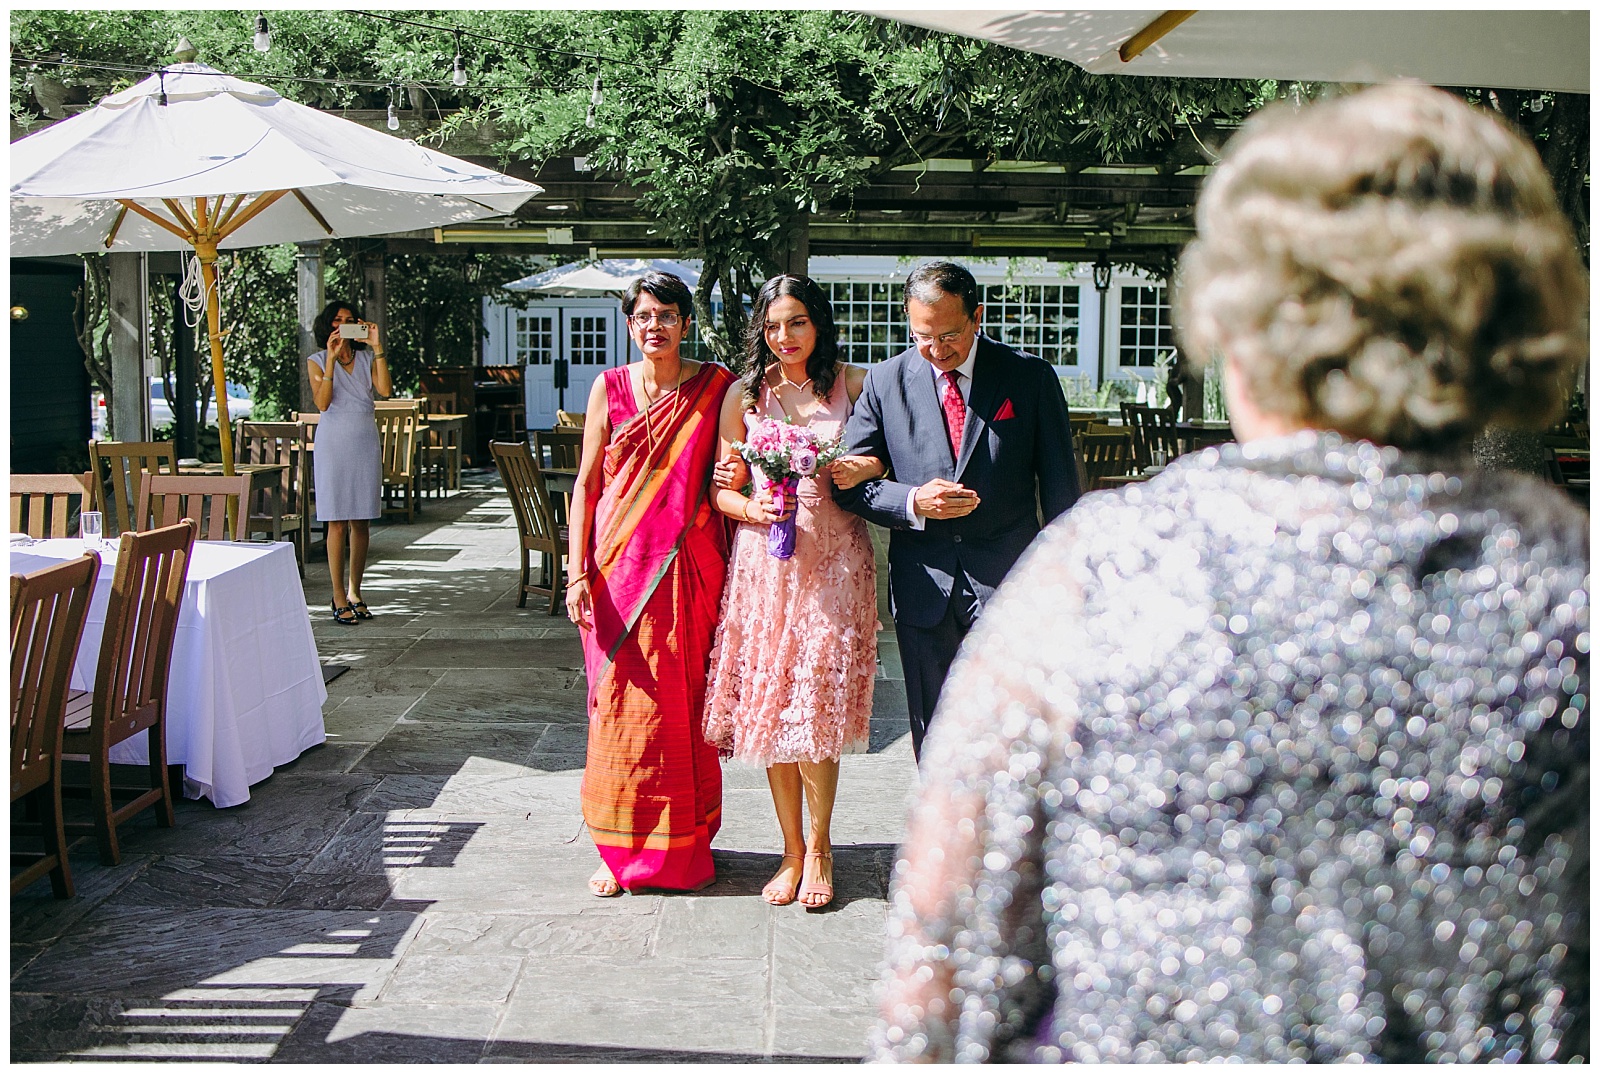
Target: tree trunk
(710,269)
(92,326)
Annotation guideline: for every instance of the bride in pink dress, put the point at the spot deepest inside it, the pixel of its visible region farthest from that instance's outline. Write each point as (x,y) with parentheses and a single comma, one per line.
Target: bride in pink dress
(796,651)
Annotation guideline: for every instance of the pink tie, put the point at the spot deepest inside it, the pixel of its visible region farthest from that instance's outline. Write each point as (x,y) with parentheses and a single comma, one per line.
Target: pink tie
(955,413)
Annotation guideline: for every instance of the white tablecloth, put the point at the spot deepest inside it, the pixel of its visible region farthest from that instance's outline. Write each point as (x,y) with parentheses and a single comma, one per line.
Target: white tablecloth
(245,692)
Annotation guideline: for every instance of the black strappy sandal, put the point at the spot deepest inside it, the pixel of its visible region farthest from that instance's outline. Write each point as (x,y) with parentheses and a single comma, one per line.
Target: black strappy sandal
(360,608)
(339,615)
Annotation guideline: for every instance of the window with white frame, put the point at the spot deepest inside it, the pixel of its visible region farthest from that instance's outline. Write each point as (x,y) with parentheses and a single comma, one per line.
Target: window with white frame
(1146,325)
(1040,319)
(535,338)
(589,339)
(872,325)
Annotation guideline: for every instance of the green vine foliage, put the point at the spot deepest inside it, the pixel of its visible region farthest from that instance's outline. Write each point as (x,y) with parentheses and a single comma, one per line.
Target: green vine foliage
(731,124)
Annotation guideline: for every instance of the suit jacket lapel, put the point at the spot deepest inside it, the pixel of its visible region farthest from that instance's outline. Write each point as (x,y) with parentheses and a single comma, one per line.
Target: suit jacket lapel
(985,385)
(922,397)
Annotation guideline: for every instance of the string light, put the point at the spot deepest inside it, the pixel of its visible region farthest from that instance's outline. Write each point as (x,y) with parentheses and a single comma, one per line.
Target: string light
(595,97)
(458,70)
(394,117)
(263,40)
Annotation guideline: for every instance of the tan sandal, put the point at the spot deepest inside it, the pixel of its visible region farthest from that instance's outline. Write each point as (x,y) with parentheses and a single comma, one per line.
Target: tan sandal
(818,888)
(787,894)
(603,885)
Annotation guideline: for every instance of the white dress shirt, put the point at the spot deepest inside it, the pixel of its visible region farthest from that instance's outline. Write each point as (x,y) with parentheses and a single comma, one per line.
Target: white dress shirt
(963,374)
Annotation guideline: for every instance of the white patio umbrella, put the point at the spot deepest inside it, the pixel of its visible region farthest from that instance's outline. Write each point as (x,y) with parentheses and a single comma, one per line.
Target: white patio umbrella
(1521,48)
(191,158)
(612,276)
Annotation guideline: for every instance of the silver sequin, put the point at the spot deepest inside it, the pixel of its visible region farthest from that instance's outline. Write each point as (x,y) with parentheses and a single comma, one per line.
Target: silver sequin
(1280,756)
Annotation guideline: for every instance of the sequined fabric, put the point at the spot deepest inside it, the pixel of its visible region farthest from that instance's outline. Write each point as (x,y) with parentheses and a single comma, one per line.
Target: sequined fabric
(1280,756)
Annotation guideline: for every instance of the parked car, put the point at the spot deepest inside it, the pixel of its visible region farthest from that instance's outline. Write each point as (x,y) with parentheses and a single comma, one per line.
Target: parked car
(239,406)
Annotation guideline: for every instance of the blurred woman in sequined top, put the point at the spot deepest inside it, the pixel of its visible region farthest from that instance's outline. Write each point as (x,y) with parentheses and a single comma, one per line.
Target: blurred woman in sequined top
(1283,754)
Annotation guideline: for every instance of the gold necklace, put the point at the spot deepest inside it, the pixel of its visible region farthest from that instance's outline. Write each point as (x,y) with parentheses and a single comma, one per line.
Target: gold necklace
(649,427)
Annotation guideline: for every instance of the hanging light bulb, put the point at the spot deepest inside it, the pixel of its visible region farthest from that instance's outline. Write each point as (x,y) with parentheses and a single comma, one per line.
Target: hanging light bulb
(394,117)
(458,70)
(263,40)
(594,102)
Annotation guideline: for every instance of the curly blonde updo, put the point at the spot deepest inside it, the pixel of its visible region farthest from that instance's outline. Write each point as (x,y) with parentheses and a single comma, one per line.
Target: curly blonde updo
(1391,265)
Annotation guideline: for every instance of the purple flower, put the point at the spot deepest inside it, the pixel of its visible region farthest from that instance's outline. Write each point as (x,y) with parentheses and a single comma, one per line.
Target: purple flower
(804,461)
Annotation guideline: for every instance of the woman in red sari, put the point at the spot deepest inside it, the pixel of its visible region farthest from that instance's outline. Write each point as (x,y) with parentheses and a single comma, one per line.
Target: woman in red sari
(649,556)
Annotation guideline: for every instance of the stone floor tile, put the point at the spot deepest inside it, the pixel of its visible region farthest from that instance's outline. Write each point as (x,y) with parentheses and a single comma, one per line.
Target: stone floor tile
(37,916)
(53,1027)
(814,1032)
(446,653)
(296,816)
(444,750)
(325,891)
(536,935)
(714,927)
(451,979)
(155,950)
(331,756)
(399,791)
(183,882)
(674,1004)
(402,1033)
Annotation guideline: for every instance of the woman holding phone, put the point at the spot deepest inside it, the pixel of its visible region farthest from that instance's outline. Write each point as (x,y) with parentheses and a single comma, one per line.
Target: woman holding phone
(347,466)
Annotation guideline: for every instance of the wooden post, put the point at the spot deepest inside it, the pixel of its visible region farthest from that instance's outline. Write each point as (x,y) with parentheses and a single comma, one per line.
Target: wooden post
(130,387)
(309,299)
(797,258)
(376,306)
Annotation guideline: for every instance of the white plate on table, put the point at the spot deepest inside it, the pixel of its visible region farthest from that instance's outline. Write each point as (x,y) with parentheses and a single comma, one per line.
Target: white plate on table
(1151,471)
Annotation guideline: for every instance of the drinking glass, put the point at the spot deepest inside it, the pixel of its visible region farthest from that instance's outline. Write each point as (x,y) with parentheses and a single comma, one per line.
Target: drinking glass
(89,528)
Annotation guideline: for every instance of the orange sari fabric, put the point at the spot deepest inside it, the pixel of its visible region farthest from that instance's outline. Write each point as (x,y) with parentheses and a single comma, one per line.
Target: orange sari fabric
(652,786)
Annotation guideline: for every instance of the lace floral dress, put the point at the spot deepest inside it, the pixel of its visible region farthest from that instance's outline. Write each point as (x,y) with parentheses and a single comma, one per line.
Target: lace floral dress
(795,654)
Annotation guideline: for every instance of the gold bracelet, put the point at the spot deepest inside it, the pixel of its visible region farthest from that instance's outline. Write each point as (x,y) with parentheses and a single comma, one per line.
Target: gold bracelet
(745,510)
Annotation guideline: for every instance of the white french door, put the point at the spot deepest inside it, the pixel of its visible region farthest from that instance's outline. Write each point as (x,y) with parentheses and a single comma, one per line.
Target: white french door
(562,349)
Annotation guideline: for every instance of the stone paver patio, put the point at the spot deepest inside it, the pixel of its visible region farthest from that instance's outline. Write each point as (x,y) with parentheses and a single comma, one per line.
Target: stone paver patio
(413,890)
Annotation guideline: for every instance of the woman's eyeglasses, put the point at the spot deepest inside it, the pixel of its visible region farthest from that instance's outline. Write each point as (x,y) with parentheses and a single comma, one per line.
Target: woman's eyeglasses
(644,320)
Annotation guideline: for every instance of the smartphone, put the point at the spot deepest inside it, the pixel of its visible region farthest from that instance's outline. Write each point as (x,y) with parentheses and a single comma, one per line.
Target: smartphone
(352,331)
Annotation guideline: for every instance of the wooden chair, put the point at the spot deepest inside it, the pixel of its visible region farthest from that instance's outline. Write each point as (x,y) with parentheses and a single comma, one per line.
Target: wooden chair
(536,518)
(397,441)
(130,683)
(560,448)
(569,419)
(48,609)
(165,499)
(439,403)
(40,503)
(283,443)
(1152,430)
(119,467)
(1104,455)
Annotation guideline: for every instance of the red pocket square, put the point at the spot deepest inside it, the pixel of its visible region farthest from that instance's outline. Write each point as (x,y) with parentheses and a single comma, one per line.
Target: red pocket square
(1005,411)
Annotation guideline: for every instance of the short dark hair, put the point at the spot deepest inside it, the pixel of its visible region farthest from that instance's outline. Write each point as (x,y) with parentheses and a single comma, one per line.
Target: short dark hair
(665,287)
(322,327)
(935,278)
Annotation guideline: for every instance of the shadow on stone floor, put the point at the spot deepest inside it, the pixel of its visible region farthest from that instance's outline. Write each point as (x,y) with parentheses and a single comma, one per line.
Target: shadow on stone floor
(414,889)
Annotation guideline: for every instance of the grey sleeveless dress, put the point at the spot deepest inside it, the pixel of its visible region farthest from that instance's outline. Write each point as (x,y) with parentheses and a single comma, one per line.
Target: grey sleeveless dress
(347,467)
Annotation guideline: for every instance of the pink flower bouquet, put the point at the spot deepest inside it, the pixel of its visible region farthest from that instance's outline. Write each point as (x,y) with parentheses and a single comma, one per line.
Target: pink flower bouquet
(785,453)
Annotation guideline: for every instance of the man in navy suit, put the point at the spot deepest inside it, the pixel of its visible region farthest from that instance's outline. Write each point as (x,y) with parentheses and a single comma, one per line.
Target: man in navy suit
(979,449)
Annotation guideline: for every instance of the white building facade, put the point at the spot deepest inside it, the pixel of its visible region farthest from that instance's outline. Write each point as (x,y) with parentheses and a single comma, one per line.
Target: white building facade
(1045,308)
